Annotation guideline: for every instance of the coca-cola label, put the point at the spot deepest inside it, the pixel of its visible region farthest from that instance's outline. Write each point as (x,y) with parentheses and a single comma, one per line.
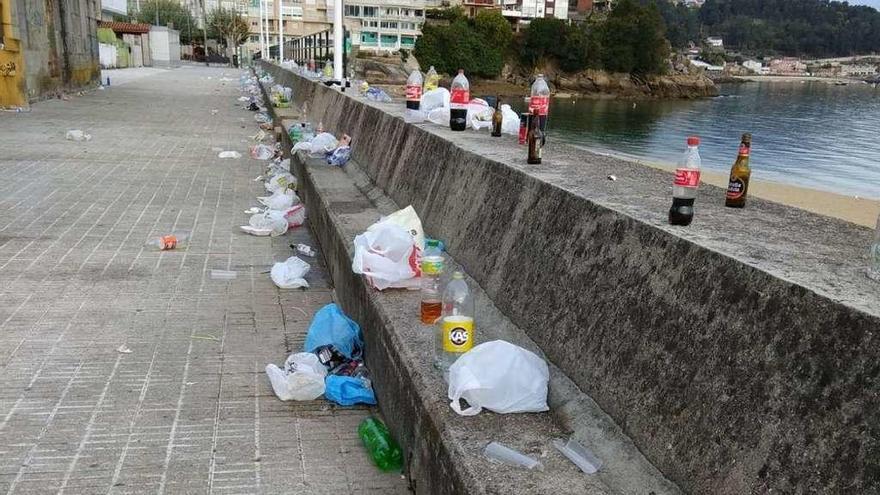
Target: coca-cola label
(523,132)
(735,188)
(744,150)
(413,92)
(460,97)
(539,105)
(687,177)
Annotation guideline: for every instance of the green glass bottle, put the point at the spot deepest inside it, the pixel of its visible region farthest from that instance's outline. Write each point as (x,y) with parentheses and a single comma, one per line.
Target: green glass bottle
(382,448)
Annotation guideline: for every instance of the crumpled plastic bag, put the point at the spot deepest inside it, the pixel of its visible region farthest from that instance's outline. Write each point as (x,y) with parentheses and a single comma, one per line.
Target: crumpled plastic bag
(340,156)
(387,255)
(376,94)
(77,135)
(302,377)
(439,116)
(510,120)
(410,221)
(229,154)
(321,144)
(262,152)
(348,391)
(273,220)
(280,200)
(435,98)
(295,215)
(500,377)
(330,326)
(479,114)
(290,274)
(280,182)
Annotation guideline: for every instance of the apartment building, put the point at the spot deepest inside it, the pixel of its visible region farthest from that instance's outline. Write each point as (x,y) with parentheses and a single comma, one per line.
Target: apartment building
(384,25)
(525,10)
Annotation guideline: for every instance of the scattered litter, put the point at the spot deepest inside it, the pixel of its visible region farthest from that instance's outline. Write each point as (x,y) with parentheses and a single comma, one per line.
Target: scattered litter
(304,249)
(612,177)
(302,377)
(229,154)
(500,377)
(348,391)
(295,215)
(387,256)
(290,274)
(331,327)
(281,200)
(258,178)
(262,118)
(259,232)
(205,337)
(243,98)
(259,136)
(376,94)
(252,210)
(170,241)
(505,455)
(262,152)
(579,455)
(123,349)
(280,182)
(215,111)
(273,220)
(321,144)
(223,275)
(384,451)
(78,135)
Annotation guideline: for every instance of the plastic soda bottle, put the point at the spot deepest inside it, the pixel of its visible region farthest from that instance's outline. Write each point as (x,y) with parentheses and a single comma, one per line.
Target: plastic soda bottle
(382,448)
(328,69)
(459,97)
(539,102)
(874,269)
(169,241)
(432,79)
(414,90)
(684,187)
(456,330)
(432,271)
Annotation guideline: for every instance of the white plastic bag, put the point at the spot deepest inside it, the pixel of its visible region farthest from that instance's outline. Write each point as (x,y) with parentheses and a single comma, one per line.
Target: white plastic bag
(301,379)
(280,182)
(319,145)
(510,120)
(290,274)
(410,221)
(435,98)
(500,377)
(262,152)
(274,220)
(387,255)
(479,114)
(296,215)
(281,200)
(439,116)
(78,135)
(229,154)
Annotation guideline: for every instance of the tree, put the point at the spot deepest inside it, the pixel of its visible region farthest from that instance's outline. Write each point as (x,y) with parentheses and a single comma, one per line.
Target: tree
(634,39)
(169,13)
(229,25)
(494,27)
(460,45)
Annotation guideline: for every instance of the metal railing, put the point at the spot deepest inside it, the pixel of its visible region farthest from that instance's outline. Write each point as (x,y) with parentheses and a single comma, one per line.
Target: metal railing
(316,46)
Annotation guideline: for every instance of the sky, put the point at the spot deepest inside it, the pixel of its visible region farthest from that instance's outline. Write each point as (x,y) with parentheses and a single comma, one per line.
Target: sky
(872,3)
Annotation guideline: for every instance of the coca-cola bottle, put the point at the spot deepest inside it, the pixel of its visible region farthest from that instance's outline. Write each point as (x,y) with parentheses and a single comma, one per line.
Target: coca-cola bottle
(414,90)
(684,187)
(459,97)
(539,102)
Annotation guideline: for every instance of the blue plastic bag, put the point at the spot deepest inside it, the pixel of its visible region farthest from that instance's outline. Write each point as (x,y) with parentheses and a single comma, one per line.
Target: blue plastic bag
(339,156)
(348,391)
(330,326)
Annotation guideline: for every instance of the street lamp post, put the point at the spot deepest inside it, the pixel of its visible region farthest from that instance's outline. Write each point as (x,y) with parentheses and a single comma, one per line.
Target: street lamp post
(280,31)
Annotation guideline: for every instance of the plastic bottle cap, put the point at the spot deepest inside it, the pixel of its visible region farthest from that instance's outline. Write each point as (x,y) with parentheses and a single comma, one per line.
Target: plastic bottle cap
(461,71)
(458,276)
(693,141)
(432,242)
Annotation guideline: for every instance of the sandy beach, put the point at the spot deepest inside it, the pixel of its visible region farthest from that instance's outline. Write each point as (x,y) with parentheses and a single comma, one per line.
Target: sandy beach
(860,211)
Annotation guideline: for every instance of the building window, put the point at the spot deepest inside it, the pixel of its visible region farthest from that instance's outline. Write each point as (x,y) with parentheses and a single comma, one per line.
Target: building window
(388,40)
(368,38)
(369,11)
(372,24)
(388,25)
(391,11)
(549,10)
(353,10)
(420,13)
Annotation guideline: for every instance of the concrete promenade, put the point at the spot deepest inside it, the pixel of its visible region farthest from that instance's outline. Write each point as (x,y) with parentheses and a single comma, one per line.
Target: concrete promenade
(189,409)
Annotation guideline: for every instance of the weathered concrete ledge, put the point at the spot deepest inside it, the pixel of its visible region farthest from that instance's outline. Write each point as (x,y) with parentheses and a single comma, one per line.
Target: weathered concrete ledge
(740,353)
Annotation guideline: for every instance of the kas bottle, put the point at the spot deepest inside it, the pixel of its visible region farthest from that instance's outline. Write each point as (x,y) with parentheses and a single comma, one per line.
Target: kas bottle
(456,327)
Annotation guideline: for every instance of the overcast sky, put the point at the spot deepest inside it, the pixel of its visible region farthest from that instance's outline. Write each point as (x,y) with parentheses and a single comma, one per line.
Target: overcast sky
(872,3)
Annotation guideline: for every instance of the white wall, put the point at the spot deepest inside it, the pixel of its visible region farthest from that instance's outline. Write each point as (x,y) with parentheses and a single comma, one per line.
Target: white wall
(115,6)
(107,55)
(164,45)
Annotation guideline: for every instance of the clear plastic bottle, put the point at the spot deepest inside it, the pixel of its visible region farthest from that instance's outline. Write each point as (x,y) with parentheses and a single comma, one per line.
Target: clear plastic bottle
(432,79)
(432,266)
(456,329)
(308,132)
(460,95)
(169,241)
(874,269)
(414,90)
(539,102)
(684,187)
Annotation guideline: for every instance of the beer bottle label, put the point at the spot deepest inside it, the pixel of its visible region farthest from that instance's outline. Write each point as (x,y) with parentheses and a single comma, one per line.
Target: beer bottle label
(413,92)
(539,105)
(735,188)
(458,334)
(687,177)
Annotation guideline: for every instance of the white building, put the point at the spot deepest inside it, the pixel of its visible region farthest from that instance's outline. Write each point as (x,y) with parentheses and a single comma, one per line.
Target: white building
(754,66)
(715,41)
(111,7)
(524,10)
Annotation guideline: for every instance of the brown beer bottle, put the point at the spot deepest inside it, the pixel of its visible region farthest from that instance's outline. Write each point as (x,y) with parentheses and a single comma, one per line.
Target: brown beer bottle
(738,187)
(535,139)
(497,118)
